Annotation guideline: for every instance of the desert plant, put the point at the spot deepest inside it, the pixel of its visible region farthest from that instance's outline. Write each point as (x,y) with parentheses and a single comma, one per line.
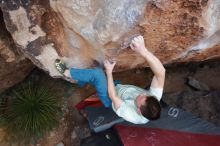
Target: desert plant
(32,112)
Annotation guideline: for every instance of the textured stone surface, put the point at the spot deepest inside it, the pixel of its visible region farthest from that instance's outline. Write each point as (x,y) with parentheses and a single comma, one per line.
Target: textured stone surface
(84,32)
(13,66)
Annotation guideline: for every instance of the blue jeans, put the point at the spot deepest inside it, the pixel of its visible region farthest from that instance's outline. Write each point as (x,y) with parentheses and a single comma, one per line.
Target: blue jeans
(95,77)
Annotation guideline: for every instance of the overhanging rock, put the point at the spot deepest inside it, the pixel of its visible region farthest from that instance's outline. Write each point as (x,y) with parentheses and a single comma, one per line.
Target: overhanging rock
(14,67)
(85,32)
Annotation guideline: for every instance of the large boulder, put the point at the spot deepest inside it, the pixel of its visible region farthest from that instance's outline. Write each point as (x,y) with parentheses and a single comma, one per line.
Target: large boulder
(14,67)
(85,32)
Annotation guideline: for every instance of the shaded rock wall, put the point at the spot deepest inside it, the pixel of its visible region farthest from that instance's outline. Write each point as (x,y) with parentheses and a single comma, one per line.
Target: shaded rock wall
(13,66)
(84,32)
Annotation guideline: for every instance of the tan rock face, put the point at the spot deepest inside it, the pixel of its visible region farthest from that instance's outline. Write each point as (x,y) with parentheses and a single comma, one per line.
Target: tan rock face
(85,32)
(13,66)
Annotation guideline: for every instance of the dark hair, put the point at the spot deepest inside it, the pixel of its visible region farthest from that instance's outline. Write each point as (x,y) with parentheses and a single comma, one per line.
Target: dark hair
(151,108)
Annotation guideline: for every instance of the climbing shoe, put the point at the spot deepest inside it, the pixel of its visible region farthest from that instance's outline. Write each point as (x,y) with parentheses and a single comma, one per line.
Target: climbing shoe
(60,66)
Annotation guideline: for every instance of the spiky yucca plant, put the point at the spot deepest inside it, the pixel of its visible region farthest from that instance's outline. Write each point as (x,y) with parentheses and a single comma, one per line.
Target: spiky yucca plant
(34,111)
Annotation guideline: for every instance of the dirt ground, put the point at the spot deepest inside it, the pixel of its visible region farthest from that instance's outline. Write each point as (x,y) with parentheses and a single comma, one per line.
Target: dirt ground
(205,104)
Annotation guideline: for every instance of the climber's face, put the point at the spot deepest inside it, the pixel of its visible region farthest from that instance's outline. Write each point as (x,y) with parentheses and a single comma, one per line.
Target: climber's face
(140,100)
